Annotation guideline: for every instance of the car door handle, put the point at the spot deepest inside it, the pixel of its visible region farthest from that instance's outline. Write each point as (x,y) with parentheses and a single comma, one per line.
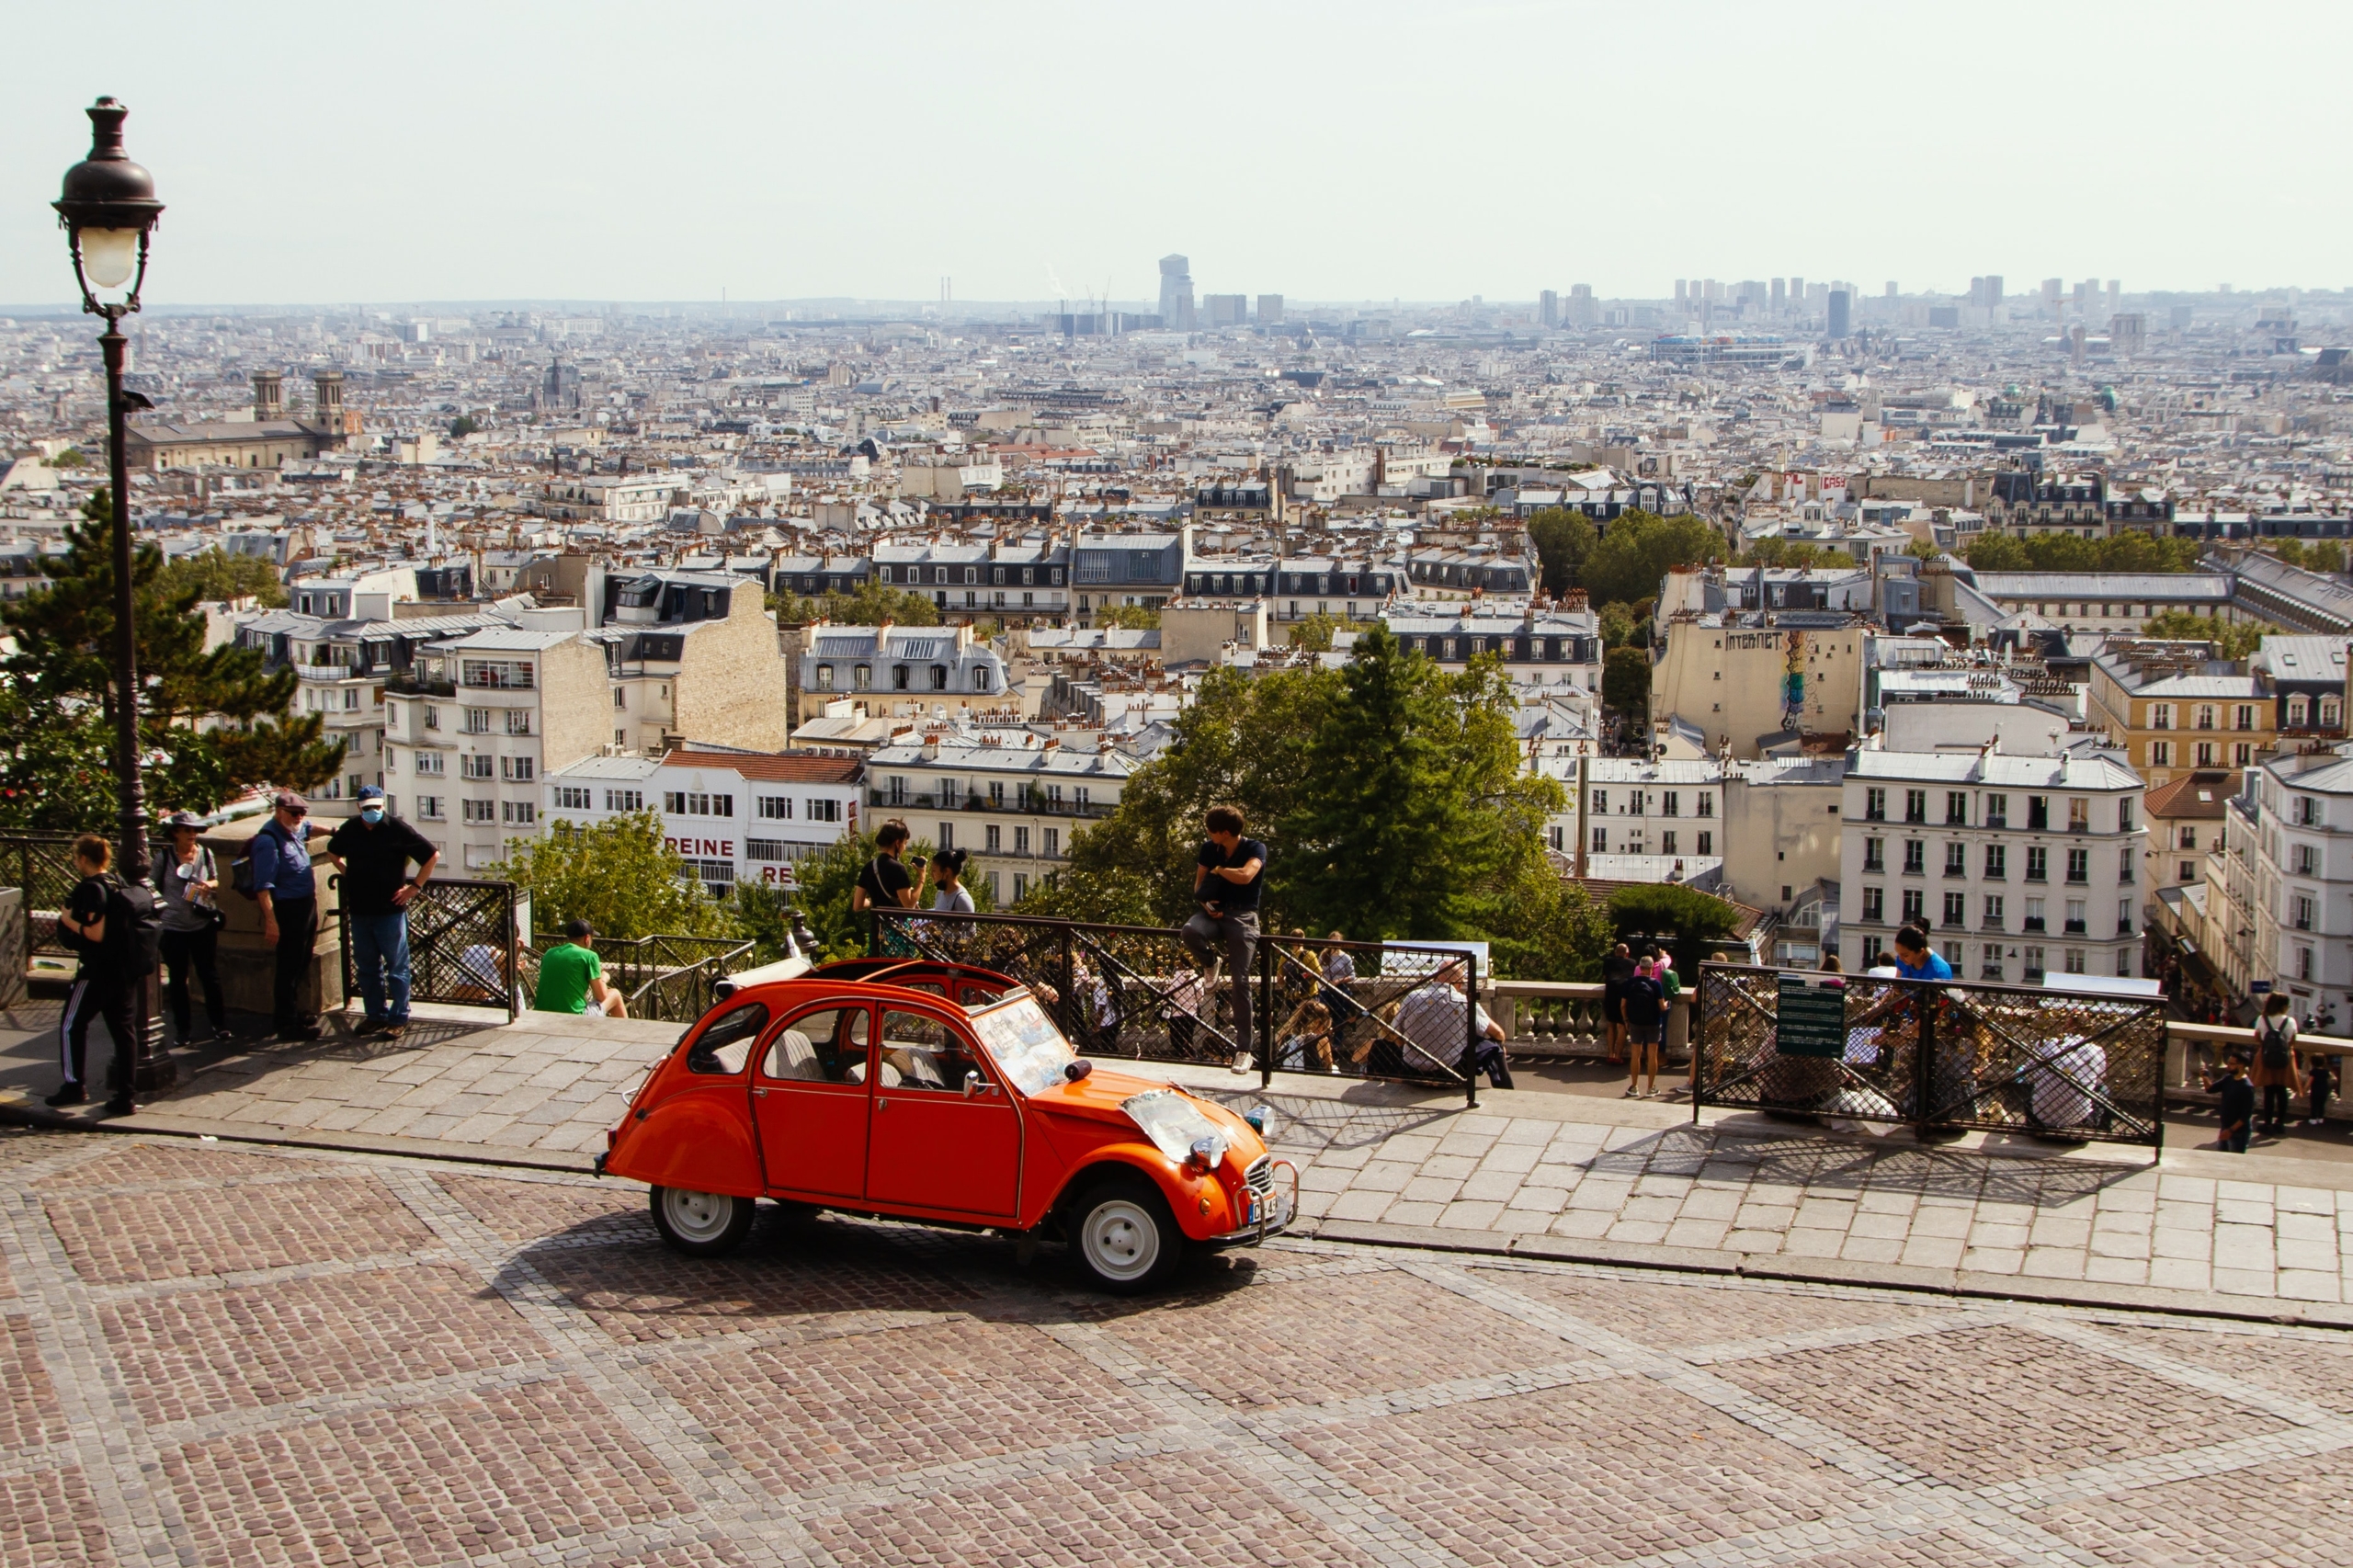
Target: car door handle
(882,1105)
(759,1094)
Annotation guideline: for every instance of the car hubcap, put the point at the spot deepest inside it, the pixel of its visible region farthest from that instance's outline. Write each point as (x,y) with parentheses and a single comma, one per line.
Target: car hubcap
(1121,1240)
(698,1216)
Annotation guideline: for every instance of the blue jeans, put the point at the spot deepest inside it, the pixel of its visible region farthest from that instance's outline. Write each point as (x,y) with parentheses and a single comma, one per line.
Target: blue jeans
(380,951)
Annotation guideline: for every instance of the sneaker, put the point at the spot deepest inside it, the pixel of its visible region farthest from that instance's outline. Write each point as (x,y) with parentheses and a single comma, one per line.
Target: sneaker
(72,1093)
(393,1028)
(121,1105)
(1241,1061)
(372,1024)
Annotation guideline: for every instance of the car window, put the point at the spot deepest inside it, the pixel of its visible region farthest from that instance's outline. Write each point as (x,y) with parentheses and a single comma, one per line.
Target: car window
(725,1043)
(928,1053)
(825,1045)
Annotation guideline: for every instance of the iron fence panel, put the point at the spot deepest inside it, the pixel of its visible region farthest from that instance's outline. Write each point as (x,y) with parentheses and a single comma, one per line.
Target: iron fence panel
(1941,1055)
(461,946)
(1137,992)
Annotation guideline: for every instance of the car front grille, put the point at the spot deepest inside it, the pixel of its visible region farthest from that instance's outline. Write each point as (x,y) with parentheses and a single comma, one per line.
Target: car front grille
(1261,1173)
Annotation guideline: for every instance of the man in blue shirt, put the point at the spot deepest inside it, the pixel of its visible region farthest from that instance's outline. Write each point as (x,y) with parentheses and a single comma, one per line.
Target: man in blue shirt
(1914,957)
(286,891)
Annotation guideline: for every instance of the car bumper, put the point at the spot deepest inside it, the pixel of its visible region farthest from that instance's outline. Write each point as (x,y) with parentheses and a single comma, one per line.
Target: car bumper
(1269,1214)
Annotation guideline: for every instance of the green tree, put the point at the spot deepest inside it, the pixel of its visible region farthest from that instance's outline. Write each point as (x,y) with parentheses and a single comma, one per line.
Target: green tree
(1243,742)
(1414,817)
(60,680)
(2070,552)
(2233,638)
(1550,928)
(1636,553)
(1318,631)
(823,884)
(1696,920)
(1625,682)
(214,575)
(1564,541)
(1785,553)
(1128,618)
(870,604)
(616,875)
(462,426)
(70,458)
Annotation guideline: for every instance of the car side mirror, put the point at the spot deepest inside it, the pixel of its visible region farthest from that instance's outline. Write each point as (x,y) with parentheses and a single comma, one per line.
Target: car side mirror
(1075,1070)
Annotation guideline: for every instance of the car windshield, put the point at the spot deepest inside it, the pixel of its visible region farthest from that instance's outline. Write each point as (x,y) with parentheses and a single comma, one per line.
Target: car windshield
(1025,1043)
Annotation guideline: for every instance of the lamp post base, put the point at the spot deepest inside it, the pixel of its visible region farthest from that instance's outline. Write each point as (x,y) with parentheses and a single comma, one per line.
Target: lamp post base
(153,1070)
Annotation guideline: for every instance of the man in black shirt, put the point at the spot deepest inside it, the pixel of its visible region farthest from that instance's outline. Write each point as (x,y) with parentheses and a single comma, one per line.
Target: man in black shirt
(1226,874)
(373,851)
(886,884)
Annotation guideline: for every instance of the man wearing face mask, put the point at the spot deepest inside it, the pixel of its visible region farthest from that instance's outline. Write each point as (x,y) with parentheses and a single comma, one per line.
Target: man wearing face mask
(373,851)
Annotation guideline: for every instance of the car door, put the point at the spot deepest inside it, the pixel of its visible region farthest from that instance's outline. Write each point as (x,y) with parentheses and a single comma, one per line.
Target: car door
(809,1101)
(945,1133)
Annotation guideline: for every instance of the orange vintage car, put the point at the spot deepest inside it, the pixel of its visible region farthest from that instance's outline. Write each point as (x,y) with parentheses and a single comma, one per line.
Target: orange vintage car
(941,1093)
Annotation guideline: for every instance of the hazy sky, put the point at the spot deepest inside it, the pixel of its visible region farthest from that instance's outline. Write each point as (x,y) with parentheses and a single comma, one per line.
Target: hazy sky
(320,152)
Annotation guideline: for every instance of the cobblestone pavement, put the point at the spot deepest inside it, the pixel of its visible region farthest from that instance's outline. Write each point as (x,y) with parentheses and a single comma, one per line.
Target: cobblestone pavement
(1544,1175)
(230,1355)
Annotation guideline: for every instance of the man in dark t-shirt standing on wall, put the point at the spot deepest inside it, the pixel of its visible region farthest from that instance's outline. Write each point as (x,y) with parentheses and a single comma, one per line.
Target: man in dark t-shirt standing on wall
(1226,875)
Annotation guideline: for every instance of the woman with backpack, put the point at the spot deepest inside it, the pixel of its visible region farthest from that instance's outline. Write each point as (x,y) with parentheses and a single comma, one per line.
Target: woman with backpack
(2275,1076)
(108,927)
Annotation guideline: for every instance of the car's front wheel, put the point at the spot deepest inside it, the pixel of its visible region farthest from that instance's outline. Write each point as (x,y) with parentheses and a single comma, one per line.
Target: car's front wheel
(1125,1235)
(702,1224)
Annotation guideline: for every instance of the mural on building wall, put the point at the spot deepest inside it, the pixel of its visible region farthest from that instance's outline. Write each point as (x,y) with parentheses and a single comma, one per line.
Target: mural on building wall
(1793,683)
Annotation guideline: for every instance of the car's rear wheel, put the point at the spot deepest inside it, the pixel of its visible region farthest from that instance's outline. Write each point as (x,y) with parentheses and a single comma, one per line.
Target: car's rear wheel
(1125,1235)
(702,1224)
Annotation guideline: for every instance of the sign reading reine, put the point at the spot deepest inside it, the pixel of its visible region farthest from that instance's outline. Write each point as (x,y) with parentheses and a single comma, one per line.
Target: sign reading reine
(1809,1020)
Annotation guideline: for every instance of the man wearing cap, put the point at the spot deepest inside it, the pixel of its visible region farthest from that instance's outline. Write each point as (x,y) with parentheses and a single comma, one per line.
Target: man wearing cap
(373,851)
(572,978)
(288,894)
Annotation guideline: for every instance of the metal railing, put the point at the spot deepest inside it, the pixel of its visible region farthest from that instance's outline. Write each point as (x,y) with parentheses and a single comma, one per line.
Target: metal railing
(1941,1055)
(463,946)
(1138,991)
(668,979)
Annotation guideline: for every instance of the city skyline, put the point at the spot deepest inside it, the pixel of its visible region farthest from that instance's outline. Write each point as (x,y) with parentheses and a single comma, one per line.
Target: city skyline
(1055,159)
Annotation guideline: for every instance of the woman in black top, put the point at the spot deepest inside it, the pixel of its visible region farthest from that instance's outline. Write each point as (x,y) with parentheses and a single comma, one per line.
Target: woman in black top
(1616,971)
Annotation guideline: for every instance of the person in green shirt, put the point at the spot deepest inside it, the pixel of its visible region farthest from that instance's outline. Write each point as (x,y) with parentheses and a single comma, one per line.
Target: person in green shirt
(572,979)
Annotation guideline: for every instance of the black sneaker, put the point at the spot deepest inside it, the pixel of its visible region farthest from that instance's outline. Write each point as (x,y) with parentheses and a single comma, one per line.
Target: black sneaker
(121,1105)
(299,1032)
(373,1025)
(72,1093)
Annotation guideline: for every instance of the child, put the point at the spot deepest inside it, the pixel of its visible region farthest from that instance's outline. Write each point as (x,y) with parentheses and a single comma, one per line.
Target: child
(1307,1036)
(2237,1097)
(2323,1085)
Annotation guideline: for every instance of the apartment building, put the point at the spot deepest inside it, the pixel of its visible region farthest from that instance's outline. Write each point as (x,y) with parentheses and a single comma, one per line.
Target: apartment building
(1545,647)
(1018,583)
(2017,866)
(903,670)
(473,727)
(2307,677)
(2119,602)
(1743,679)
(692,654)
(2290,872)
(733,816)
(1633,806)
(2185,827)
(2174,709)
(1012,800)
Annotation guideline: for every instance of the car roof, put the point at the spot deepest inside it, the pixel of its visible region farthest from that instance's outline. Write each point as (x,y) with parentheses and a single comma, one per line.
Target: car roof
(880,978)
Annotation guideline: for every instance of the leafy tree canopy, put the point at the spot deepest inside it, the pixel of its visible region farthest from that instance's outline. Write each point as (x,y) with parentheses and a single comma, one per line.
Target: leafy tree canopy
(1128,618)
(215,575)
(1565,542)
(60,695)
(1625,682)
(1390,797)
(1318,631)
(616,875)
(2317,555)
(2233,638)
(2069,552)
(870,604)
(1637,551)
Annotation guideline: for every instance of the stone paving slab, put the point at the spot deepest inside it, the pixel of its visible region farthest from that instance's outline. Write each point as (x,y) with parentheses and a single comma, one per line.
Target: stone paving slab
(1522,1175)
(435,1364)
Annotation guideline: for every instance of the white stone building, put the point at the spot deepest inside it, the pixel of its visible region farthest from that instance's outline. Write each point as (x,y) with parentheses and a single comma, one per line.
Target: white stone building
(2293,827)
(2017,866)
(735,817)
(1012,799)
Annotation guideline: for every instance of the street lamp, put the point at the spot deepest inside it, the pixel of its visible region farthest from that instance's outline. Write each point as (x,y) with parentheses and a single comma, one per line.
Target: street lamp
(107,210)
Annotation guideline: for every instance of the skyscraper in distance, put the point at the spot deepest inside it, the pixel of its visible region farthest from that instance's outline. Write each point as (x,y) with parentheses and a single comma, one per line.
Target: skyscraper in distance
(1839,303)
(1176,292)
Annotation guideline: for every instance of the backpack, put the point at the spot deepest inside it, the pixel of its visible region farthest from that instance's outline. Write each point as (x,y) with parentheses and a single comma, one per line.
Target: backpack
(2275,1049)
(241,870)
(134,937)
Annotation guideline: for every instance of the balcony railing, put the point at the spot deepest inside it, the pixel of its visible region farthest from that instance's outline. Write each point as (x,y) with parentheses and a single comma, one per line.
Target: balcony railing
(2031,923)
(2076,927)
(411,683)
(1012,805)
